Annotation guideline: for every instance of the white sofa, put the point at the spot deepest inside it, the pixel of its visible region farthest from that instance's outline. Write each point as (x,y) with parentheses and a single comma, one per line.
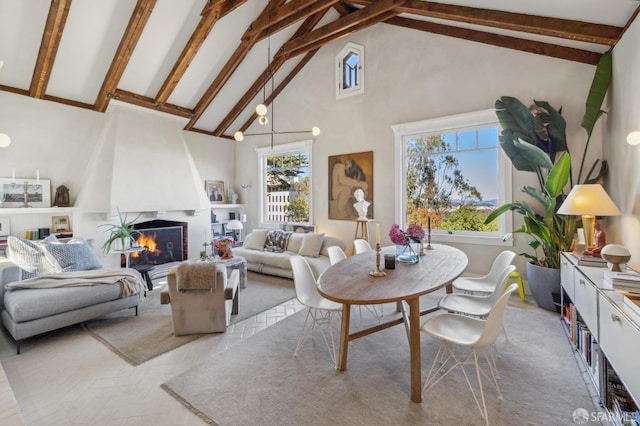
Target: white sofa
(268,251)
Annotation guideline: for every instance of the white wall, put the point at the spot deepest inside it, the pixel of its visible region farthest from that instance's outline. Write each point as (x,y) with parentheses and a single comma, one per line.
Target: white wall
(623,182)
(409,76)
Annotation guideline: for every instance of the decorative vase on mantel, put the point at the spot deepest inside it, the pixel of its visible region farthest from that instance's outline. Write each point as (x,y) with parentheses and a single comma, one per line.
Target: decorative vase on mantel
(408,253)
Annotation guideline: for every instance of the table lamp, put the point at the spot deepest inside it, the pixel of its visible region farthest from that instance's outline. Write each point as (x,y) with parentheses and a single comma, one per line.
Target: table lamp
(234,225)
(588,201)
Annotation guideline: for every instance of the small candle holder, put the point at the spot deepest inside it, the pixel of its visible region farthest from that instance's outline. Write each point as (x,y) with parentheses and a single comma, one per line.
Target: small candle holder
(378,272)
(421,252)
(429,240)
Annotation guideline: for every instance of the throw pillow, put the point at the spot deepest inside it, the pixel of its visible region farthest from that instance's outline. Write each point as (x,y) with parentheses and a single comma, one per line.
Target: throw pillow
(311,245)
(256,239)
(30,257)
(75,255)
(277,240)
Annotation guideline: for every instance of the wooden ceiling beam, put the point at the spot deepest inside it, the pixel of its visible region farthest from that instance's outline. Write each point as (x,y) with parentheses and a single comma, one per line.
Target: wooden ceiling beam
(268,73)
(342,8)
(289,13)
(540,48)
(146,102)
(58,12)
(342,26)
(130,38)
(554,27)
(247,42)
(211,14)
(299,66)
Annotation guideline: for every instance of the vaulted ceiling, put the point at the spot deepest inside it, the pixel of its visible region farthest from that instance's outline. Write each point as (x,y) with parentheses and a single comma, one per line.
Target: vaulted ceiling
(208,60)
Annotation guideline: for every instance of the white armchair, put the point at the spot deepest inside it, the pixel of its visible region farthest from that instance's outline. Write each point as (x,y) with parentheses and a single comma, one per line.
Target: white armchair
(202,297)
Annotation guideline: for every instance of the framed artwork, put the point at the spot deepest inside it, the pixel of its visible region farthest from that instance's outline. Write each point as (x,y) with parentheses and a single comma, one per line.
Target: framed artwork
(5,226)
(13,192)
(60,224)
(347,173)
(215,191)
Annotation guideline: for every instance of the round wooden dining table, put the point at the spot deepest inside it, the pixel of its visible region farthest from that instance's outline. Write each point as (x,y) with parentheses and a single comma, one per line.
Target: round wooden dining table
(349,282)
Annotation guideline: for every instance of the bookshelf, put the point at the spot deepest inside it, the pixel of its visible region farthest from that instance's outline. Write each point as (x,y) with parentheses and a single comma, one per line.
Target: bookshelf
(605,333)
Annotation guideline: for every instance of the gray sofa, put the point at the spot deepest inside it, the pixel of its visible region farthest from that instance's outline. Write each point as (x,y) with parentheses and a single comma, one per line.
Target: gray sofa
(270,255)
(42,290)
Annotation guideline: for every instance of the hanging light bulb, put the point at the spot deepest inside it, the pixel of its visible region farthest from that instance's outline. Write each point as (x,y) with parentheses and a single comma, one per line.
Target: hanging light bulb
(261,110)
(315,131)
(5,140)
(263,120)
(238,136)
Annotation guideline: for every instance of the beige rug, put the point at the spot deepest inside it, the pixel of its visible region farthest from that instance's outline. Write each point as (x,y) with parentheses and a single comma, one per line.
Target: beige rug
(259,381)
(139,339)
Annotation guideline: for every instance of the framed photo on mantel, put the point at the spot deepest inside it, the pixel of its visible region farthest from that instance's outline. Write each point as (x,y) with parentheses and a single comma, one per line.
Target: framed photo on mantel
(215,191)
(12,192)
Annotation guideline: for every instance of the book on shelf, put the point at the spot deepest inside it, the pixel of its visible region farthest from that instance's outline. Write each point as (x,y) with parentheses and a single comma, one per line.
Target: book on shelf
(628,280)
(588,260)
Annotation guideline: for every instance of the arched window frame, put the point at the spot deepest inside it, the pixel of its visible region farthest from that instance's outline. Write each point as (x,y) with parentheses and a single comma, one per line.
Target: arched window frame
(356,73)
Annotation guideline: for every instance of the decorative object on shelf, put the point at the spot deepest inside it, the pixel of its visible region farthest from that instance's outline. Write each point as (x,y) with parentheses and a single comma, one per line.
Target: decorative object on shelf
(589,201)
(60,224)
(616,255)
(261,109)
(215,191)
(389,261)
(233,196)
(223,247)
(30,193)
(361,205)
(235,225)
(120,234)
(407,242)
(61,198)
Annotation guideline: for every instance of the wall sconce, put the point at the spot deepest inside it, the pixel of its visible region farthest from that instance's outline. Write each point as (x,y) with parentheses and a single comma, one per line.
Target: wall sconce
(633,138)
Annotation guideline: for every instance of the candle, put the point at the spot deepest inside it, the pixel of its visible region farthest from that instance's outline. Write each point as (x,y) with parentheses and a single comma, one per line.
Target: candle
(377,233)
(13,175)
(429,223)
(38,176)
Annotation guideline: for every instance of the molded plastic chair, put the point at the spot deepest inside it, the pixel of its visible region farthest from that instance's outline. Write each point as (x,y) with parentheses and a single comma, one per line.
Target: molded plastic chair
(336,254)
(361,246)
(478,335)
(320,309)
(516,276)
(487,283)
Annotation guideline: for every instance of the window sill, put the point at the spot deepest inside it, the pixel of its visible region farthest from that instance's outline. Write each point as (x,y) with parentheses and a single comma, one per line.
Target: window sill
(470,239)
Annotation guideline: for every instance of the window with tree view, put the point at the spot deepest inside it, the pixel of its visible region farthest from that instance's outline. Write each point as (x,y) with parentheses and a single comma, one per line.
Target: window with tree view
(454,176)
(286,185)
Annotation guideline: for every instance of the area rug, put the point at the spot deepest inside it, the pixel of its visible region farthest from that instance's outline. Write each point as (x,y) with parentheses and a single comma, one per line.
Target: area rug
(139,339)
(260,382)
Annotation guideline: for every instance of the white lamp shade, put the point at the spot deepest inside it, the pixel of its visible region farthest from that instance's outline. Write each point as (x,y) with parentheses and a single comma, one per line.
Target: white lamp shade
(238,136)
(633,138)
(588,199)
(234,225)
(5,140)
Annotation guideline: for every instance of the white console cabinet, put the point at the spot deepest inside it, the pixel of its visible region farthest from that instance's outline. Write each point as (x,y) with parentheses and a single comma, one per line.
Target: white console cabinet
(606,334)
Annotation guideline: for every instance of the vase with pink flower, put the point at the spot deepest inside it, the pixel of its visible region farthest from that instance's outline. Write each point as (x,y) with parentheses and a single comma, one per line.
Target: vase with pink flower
(408,242)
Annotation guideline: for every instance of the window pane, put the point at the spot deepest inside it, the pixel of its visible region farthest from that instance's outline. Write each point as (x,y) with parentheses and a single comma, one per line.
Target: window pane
(467,140)
(488,137)
(287,193)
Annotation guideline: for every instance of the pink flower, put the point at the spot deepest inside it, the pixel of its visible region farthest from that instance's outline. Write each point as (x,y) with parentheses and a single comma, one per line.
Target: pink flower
(223,242)
(414,233)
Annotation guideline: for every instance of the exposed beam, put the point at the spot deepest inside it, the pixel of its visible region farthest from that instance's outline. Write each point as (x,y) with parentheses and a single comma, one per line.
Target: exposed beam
(211,14)
(290,10)
(342,8)
(342,26)
(281,87)
(58,12)
(539,48)
(246,43)
(70,102)
(146,102)
(130,38)
(533,24)
(268,73)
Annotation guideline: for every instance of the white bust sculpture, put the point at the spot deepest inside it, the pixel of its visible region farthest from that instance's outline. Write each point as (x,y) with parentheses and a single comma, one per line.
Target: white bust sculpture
(362,205)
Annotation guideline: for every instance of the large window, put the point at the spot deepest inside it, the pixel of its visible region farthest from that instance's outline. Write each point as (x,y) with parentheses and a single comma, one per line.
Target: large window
(451,175)
(285,172)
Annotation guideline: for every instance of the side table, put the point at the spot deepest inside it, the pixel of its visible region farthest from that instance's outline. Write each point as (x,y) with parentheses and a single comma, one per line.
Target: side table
(239,263)
(144,271)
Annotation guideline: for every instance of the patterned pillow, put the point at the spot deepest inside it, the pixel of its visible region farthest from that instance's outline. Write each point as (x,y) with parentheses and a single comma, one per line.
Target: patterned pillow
(277,240)
(75,255)
(31,257)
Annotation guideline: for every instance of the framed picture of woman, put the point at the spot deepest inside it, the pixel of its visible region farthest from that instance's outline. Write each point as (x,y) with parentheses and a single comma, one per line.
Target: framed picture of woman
(348,173)
(215,191)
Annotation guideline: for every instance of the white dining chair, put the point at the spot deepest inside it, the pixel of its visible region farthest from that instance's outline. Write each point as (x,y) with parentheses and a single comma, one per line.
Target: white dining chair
(485,284)
(476,334)
(320,310)
(361,246)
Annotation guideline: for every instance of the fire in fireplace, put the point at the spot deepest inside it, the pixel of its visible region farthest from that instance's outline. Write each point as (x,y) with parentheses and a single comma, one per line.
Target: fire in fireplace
(164,241)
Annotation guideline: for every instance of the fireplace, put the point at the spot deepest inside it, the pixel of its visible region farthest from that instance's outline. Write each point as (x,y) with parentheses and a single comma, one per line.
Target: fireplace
(166,241)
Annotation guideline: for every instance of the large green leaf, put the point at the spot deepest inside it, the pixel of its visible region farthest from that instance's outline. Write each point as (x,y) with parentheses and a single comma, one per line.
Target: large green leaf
(599,86)
(557,128)
(513,114)
(534,155)
(558,176)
